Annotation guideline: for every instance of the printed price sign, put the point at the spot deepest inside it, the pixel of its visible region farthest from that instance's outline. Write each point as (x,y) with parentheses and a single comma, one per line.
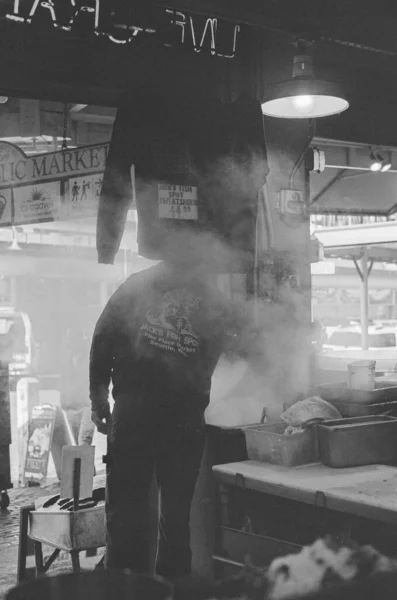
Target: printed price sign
(178,201)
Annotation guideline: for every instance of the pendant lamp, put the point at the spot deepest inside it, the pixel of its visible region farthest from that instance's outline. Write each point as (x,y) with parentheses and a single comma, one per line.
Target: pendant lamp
(304,96)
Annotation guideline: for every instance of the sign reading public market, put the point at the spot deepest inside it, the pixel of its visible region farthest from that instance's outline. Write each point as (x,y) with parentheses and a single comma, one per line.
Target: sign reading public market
(127,22)
(50,187)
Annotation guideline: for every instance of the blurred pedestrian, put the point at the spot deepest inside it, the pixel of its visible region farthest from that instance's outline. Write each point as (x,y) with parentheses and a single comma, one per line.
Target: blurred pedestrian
(74,398)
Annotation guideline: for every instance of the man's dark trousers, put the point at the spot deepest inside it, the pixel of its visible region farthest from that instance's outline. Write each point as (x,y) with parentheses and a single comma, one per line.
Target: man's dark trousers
(147,439)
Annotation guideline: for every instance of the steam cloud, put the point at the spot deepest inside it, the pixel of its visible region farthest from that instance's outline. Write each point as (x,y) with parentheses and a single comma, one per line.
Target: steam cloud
(273,353)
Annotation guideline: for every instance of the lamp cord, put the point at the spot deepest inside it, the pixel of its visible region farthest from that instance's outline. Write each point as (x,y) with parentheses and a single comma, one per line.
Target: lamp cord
(305,40)
(65,127)
(311,134)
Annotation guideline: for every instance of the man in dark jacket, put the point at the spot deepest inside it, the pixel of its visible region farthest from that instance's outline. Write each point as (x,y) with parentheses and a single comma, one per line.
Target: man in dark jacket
(158,341)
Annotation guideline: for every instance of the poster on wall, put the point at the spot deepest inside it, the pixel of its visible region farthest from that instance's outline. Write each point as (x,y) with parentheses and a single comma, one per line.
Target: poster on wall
(34,203)
(5,207)
(41,429)
(83,196)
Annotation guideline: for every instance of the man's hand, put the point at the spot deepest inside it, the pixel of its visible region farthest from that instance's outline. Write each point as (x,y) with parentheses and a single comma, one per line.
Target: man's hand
(102,424)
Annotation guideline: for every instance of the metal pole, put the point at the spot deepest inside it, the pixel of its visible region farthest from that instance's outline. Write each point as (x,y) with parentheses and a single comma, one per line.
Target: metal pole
(364,299)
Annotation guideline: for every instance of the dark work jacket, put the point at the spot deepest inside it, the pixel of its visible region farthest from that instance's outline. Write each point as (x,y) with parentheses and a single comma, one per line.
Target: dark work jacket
(158,341)
(175,135)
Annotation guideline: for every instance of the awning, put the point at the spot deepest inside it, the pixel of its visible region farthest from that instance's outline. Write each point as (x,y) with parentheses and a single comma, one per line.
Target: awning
(365,245)
(348,186)
(372,234)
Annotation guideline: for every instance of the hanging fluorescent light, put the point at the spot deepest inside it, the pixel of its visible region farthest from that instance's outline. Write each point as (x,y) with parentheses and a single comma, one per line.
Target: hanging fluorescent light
(378,163)
(304,96)
(386,164)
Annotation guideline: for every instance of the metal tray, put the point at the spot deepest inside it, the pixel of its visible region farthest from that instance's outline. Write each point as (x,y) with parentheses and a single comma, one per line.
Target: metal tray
(340,392)
(358,441)
(80,530)
(357,409)
(267,443)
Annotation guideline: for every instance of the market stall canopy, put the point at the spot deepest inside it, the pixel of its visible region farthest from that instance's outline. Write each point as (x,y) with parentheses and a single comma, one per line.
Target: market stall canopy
(380,239)
(371,234)
(348,186)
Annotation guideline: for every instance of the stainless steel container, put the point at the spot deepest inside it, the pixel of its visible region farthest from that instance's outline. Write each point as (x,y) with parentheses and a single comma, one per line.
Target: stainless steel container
(80,530)
(358,441)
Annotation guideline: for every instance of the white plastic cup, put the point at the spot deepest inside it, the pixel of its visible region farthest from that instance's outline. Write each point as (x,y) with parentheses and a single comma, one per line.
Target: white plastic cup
(361,375)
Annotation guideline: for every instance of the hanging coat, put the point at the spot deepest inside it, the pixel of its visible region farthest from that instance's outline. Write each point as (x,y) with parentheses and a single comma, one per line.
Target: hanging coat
(183,138)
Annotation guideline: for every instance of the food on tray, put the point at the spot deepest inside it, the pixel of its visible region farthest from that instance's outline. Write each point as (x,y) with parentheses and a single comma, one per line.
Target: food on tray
(320,566)
(310,409)
(290,430)
(55,503)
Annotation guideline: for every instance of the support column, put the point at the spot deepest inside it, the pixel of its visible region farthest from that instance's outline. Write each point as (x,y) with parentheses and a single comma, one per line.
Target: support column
(364,272)
(364,299)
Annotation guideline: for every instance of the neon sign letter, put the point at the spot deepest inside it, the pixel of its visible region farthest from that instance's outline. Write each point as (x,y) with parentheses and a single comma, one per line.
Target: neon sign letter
(89,9)
(212,24)
(43,4)
(181,23)
(205,38)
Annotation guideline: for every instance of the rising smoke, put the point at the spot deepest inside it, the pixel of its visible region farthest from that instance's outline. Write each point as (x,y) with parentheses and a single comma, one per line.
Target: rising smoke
(271,349)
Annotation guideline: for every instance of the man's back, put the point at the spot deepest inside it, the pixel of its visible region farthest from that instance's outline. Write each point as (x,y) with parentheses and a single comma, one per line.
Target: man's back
(160,337)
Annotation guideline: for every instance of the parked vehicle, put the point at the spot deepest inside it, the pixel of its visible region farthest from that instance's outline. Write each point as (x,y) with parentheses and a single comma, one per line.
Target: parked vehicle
(344,346)
(16,341)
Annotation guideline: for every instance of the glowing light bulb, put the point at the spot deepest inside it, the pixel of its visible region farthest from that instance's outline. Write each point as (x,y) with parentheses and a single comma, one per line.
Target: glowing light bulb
(376,166)
(303,104)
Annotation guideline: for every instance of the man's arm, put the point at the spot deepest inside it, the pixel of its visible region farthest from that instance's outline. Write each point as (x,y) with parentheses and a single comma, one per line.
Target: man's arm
(101,359)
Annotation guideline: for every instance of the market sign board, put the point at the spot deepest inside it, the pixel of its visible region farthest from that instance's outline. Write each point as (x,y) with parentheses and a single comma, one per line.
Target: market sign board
(128,22)
(50,187)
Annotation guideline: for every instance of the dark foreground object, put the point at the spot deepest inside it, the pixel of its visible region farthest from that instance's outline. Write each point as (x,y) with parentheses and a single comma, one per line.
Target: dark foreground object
(381,586)
(96,585)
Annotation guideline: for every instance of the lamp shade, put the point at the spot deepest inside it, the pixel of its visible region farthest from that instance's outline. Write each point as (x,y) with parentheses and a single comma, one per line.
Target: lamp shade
(304,99)
(303,96)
